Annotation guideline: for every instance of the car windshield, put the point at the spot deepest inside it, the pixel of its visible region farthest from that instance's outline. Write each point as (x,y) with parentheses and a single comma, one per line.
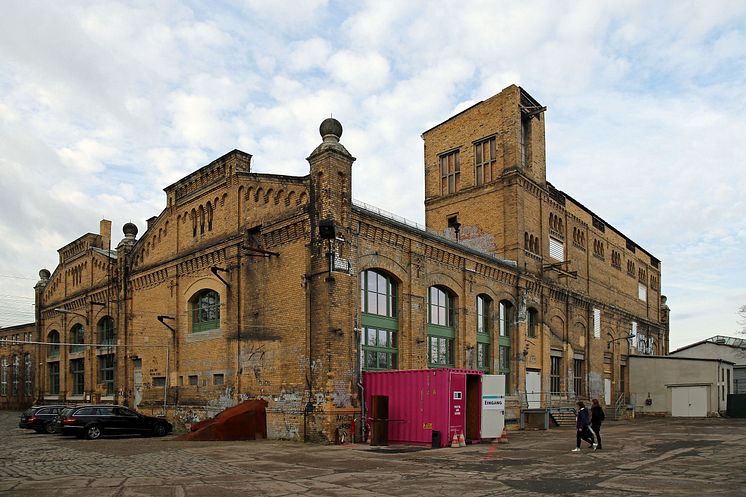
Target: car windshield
(66,411)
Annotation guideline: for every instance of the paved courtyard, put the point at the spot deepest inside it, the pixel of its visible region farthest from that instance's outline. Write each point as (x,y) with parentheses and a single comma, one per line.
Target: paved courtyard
(699,457)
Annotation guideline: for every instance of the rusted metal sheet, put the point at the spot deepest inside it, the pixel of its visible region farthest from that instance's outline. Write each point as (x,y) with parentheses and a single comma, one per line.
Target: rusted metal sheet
(246,421)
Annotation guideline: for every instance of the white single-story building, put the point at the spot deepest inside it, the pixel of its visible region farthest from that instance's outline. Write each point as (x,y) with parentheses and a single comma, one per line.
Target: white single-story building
(721,347)
(679,386)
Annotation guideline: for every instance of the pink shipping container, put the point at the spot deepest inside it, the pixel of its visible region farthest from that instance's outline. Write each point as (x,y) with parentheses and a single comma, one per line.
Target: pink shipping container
(424,401)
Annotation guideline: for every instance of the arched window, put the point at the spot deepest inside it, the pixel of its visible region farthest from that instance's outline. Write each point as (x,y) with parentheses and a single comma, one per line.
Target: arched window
(53,338)
(484,332)
(205,311)
(506,318)
(77,336)
(106,331)
(378,294)
(440,331)
(379,338)
(533,318)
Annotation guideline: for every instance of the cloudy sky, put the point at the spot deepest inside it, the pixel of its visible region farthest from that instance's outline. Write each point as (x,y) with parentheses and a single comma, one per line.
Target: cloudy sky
(103,104)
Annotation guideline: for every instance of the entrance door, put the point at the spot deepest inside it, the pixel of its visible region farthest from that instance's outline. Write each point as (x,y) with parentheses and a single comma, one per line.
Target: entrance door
(607,391)
(493,405)
(533,389)
(689,401)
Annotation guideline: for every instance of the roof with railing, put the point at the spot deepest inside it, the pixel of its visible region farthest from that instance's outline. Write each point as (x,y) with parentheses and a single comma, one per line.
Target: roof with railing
(430,233)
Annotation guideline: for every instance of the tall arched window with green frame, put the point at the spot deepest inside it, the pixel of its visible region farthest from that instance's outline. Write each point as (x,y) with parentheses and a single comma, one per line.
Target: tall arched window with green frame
(506,324)
(380,328)
(205,307)
(441,333)
(484,332)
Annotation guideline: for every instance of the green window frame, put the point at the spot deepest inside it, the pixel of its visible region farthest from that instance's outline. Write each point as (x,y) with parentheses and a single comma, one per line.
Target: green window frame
(379,338)
(53,338)
(205,311)
(53,372)
(77,337)
(484,332)
(77,370)
(441,334)
(504,365)
(506,313)
(107,334)
(106,368)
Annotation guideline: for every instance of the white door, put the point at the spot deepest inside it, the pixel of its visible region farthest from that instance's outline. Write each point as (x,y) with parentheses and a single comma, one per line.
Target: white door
(689,401)
(493,405)
(607,391)
(533,389)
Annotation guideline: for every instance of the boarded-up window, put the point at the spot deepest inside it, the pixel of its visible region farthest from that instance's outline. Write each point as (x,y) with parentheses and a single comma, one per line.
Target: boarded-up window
(597,323)
(642,292)
(556,249)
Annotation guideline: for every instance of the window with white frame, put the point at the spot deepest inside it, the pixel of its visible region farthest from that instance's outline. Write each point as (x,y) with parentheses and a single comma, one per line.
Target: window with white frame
(597,323)
(556,249)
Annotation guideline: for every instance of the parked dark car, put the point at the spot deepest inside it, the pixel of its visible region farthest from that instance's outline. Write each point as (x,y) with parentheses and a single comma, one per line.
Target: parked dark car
(40,418)
(94,421)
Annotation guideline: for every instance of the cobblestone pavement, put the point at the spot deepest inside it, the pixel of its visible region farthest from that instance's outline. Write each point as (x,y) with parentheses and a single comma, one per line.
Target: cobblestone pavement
(703,457)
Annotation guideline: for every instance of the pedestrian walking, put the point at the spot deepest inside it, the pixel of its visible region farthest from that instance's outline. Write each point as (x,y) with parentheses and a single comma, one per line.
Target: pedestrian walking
(597,417)
(583,423)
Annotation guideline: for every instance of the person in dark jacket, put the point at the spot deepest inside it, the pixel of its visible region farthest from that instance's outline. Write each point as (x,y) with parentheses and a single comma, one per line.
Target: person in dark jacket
(583,423)
(597,417)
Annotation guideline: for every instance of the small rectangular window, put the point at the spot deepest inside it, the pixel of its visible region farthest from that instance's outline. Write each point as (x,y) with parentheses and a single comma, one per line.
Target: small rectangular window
(450,172)
(218,379)
(485,161)
(597,323)
(159,381)
(193,380)
(556,249)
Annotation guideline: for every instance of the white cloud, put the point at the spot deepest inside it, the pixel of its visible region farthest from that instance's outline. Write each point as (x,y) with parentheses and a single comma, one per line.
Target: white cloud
(362,73)
(87,156)
(645,122)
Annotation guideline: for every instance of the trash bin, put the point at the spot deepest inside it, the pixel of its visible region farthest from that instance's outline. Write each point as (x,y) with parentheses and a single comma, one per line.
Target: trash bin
(436,439)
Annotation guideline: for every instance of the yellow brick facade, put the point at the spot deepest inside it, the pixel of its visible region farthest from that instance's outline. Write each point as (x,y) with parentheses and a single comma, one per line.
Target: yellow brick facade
(291,326)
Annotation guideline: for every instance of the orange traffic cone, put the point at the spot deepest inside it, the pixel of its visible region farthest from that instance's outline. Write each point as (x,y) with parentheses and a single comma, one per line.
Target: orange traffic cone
(454,440)
(503,437)
(461,440)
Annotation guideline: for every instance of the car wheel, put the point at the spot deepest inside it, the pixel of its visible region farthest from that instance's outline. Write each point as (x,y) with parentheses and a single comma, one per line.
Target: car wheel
(49,428)
(159,430)
(93,432)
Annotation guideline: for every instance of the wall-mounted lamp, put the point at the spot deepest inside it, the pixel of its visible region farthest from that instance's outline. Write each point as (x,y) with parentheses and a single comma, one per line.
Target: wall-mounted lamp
(67,311)
(608,344)
(215,270)
(163,319)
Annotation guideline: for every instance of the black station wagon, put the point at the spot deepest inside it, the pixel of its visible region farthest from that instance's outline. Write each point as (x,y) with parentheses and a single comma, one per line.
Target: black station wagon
(94,421)
(40,418)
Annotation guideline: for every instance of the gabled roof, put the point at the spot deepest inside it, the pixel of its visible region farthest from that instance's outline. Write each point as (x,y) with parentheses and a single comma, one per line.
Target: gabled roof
(737,343)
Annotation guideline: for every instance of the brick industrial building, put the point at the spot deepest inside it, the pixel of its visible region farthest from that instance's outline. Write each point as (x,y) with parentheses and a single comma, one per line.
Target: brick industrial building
(252,285)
